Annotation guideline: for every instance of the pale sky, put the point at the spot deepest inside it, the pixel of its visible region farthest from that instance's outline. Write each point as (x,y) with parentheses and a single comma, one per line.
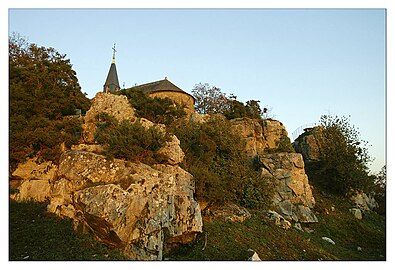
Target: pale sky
(302,63)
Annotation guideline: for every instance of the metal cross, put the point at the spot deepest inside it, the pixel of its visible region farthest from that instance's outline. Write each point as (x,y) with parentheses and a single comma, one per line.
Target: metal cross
(113,48)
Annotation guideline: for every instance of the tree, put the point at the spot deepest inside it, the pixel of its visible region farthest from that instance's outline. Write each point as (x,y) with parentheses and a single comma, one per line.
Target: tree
(380,188)
(43,89)
(344,156)
(209,99)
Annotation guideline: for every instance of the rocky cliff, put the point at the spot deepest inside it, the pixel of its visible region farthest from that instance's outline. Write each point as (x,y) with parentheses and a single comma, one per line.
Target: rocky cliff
(259,135)
(146,210)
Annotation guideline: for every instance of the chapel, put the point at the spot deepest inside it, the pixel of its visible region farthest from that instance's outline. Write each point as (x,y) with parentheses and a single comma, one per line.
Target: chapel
(162,88)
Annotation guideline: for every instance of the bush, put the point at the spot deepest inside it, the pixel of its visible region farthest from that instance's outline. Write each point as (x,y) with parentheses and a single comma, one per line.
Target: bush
(157,110)
(221,170)
(130,141)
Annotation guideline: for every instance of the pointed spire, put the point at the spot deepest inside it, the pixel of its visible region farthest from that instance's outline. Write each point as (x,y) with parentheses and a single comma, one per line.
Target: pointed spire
(112,83)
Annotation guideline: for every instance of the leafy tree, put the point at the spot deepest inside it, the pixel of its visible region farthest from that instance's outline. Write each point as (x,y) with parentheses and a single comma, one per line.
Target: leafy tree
(155,109)
(210,100)
(343,156)
(43,89)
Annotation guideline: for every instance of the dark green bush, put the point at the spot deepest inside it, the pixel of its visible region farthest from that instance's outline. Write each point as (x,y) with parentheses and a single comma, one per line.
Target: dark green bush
(221,170)
(130,141)
(157,110)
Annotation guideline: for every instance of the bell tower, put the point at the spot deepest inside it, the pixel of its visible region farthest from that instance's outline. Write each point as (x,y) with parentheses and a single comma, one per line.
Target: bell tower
(112,83)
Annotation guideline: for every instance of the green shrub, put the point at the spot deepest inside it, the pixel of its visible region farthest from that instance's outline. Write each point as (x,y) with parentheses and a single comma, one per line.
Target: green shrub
(157,110)
(221,170)
(130,141)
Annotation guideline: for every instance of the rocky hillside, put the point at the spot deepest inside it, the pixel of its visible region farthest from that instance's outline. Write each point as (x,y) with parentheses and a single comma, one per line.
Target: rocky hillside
(148,210)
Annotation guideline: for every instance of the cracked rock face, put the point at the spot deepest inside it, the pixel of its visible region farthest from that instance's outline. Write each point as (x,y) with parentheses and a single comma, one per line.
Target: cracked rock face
(259,137)
(293,195)
(139,209)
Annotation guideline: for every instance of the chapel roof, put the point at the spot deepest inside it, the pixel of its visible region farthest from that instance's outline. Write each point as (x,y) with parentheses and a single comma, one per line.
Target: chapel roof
(112,78)
(159,86)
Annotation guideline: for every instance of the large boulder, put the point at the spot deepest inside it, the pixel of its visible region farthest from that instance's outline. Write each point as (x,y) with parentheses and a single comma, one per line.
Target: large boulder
(260,135)
(139,209)
(293,195)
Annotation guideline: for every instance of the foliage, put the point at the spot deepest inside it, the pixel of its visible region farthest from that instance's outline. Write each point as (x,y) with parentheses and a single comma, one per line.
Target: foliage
(43,89)
(222,172)
(343,157)
(37,235)
(127,140)
(155,109)
(210,100)
(379,189)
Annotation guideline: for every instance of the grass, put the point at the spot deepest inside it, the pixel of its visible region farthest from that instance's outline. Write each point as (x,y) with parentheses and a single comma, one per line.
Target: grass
(35,234)
(230,241)
(38,235)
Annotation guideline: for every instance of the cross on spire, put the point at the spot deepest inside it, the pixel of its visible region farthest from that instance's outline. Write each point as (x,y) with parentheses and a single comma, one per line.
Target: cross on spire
(113,53)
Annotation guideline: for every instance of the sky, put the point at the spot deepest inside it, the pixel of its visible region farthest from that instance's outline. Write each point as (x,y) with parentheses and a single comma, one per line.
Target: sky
(301,63)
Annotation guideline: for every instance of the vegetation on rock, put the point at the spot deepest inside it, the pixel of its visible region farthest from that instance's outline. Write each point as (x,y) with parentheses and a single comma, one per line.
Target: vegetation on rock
(210,100)
(130,141)
(155,109)
(222,172)
(344,158)
(43,90)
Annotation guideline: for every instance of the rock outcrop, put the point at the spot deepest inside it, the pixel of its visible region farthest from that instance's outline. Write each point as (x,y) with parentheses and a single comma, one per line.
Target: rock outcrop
(260,135)
(114,105)
(32,180)
(140,209)
(363,201)
(308,144)
(230,212)
(293,195)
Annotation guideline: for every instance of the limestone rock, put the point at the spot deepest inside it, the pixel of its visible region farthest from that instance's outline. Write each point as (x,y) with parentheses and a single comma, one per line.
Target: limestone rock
(114,105)
(293,194)
(308,144)
(231,212)
(95,148)
(279,220)
(328,240)
(259,136)
(254,256)
(357,213)
(32,180)
(31,169)
(200,118)
(172,153)
(363,201)
(37,190)
(139,209)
